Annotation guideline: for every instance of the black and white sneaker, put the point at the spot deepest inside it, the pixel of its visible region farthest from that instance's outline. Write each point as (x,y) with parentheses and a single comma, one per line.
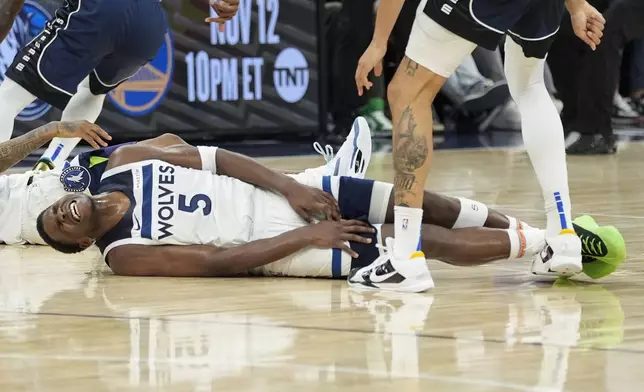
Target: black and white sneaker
(389,274)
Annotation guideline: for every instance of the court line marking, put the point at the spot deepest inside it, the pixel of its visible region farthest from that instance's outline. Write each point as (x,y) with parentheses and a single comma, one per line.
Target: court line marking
(322,329)
(343,369)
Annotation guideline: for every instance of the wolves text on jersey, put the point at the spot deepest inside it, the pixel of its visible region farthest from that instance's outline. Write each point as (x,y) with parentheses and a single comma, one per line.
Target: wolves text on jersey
(168,203)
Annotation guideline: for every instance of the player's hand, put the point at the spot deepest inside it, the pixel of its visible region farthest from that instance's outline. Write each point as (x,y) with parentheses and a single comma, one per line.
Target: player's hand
(225,9)
(371,60)
(311,203)
(91,133)
(335,234)
(588,24)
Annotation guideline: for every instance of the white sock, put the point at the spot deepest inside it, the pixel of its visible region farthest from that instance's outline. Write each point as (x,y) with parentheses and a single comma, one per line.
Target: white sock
(517,243)
(13,98)
(407,225)
(82,106)
(542,134)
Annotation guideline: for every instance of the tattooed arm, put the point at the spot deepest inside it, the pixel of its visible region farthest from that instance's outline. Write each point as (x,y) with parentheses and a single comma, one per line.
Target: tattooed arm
(8,11)
(15,150)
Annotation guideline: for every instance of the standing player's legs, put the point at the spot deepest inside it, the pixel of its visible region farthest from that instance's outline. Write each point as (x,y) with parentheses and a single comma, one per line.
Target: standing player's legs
(138,33)
(542,130)
(53,64)
(432,54)
(84,105)
(13,99)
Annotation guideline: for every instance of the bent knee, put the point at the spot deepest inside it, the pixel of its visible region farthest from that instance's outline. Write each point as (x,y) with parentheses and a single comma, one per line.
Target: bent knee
(168,139)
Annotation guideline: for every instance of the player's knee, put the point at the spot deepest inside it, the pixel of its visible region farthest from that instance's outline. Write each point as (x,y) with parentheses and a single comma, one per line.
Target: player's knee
(170,139)
(395,92)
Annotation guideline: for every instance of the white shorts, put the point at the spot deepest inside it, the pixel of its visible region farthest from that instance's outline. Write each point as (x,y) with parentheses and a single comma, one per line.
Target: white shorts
(434,47)
(274,216)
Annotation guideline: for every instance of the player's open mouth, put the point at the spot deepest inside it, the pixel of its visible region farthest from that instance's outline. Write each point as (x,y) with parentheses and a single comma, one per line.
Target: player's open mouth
(73,209)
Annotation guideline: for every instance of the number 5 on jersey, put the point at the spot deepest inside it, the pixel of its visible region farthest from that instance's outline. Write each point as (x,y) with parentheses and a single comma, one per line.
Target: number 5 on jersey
(194,205)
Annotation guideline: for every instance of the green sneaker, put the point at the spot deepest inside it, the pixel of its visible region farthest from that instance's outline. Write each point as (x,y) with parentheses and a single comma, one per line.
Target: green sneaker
(374,113)
(602,247)
(43,164)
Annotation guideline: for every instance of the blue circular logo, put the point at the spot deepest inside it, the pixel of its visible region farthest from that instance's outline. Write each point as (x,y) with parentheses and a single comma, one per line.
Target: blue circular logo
(144,91)
(29,22)
(75,179)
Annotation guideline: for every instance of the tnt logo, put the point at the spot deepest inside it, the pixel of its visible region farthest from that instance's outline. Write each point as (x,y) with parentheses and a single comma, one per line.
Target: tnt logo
(291,75)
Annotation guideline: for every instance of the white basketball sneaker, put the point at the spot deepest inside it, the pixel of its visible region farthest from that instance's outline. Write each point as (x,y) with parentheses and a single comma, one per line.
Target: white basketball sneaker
(352,159)
(561,256)
(389,274)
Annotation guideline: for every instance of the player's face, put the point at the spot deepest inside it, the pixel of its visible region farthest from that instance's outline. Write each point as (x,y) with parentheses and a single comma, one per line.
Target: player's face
(70,219)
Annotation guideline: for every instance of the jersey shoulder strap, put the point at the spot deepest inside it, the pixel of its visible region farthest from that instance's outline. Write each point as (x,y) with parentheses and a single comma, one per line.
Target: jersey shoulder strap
(122,179)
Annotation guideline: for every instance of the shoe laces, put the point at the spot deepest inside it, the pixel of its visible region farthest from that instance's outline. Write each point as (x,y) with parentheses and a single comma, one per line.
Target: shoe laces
(592,245)
(326,152)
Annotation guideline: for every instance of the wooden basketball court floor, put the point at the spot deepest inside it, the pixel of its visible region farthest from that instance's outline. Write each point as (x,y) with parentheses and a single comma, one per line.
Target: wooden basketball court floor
(69,325)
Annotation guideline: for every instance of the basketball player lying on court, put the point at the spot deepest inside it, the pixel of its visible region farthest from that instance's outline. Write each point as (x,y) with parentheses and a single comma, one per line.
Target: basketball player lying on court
(23,196)
(215,213)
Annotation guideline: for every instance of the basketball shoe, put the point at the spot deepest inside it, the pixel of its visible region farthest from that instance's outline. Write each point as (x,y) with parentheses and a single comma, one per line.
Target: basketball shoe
(352,159)
(597,243)
(44,164)
(389,274)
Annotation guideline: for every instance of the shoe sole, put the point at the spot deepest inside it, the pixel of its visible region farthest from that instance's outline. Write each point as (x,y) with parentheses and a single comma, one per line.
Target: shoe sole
(362,138)
(566,265)
(417,287)
(492,98)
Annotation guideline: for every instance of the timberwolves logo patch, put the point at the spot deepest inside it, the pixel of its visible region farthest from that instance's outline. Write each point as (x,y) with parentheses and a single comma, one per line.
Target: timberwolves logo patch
(29,23)
(144,91)
(291,75)
(75,179)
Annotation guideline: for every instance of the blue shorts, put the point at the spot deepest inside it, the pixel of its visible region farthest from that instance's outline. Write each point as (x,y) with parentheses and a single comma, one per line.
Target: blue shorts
(365,200)
(532,24)
(109,40)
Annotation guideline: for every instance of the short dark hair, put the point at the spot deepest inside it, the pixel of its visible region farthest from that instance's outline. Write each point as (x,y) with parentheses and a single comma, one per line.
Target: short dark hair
(59,246)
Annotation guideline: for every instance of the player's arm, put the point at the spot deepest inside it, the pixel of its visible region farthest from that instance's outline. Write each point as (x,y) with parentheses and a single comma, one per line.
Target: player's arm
(306,201)
(15,150)
(371,59)
(208,261)
(386,16)
(8,11)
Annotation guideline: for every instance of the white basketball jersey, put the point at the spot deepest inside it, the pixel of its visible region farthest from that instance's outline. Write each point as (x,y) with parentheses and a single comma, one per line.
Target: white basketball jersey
(22,200)
(172,205)
(13,189)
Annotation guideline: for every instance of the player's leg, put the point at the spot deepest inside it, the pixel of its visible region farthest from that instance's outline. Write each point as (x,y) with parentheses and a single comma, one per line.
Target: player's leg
(137,31)
(53,64)
(475,245)
(432,54)
(13,99)
(82,106)
(543,132)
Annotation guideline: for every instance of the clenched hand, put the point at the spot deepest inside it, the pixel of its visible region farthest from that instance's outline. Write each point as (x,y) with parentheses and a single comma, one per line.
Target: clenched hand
(588,24)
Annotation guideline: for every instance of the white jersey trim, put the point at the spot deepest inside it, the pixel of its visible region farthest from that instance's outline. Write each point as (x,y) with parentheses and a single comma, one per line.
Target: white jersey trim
(42,54)
(123,168)
(480,22)
(129,241)
(534,39)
